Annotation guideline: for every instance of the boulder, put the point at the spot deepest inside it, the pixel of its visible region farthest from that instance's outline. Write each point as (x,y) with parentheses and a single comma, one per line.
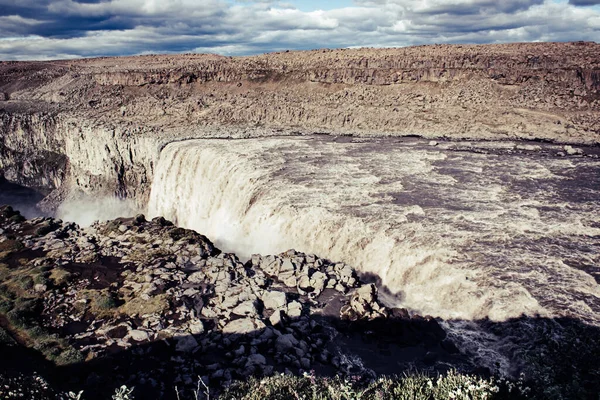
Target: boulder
(247,308)
(304,283)
(138,335)
(186,344)
(256,359)
(286,343)
(286,266)
(294,309)
(40,287)
(318,281)
(271,265)
(363,305)
(570,150)
(273,300)
(276,318)
(196,327)
(290,282)
(243,326)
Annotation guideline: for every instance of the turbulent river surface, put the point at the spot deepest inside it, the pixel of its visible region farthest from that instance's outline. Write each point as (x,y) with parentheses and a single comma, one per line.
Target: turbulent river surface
(463,232)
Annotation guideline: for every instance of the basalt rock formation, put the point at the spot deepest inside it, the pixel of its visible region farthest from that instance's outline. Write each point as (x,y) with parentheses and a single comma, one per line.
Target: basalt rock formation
(99,124)
(150,305)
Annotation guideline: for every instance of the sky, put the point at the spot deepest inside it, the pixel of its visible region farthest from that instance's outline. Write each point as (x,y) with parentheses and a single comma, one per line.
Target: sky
(53,29)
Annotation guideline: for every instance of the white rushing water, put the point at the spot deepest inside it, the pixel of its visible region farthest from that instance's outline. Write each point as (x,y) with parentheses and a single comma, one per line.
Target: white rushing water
(457,235)
(85,210)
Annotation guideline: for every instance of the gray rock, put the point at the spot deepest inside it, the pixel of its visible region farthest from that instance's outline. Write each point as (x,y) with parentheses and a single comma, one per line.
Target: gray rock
(286,266)
(304,282)
(305,363)
(256,359)
(40,288)
(318,280)
(273,300)
(276,318)
(285,343)
(243,326)
(570,150)
(256,259)
(208,312)
(240,351)
(197,277)
(138,335)
(363,305)
(191,292)
(294,309)
(196,327)
(290,282)
(271,265)
(186,344)
(245,309)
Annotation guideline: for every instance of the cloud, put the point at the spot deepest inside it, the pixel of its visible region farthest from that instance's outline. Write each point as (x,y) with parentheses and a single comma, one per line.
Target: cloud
(45,29)
(584,2)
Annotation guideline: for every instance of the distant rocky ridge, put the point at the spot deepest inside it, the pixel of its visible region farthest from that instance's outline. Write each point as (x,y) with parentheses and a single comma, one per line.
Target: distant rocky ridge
(148,304)
(98,125)
(525,90)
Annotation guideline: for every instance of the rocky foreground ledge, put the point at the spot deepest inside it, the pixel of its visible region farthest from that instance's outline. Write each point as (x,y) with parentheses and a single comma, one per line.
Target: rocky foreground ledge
(151,305)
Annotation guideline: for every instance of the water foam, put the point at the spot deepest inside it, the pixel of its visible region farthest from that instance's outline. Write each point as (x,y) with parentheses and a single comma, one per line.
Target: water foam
(454,235)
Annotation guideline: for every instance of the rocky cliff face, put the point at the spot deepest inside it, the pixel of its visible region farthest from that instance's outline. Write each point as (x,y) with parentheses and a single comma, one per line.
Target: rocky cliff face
(99,124)
(55,154)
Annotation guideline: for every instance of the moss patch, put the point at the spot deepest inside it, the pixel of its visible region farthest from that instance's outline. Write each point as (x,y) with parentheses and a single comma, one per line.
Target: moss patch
(138,306)
(60,276)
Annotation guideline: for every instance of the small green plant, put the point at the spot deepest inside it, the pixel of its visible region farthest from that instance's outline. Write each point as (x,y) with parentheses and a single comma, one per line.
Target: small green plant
(5,305)
(72,395)
(10,246)
(69,356)
(25,282)
(5,338)
(123,393)
(105,302)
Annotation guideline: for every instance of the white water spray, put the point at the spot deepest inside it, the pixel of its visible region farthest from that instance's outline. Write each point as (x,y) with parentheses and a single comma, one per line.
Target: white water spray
(439,239)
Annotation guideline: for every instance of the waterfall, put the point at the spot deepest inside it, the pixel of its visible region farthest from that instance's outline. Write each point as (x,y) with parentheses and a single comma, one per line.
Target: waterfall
(438,239)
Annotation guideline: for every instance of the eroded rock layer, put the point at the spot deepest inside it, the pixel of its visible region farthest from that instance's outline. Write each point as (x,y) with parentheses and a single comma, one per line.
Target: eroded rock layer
(100,123)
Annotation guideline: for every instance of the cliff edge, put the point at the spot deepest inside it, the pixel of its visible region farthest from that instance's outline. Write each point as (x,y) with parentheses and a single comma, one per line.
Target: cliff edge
(100,124)
(544,91)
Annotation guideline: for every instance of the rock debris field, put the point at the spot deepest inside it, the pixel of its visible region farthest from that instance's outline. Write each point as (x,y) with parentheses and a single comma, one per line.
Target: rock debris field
(158,306)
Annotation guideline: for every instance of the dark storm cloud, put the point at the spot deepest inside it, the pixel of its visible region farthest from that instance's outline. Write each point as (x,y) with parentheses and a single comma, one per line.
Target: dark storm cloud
(82,28)
(584,2)
(481,6)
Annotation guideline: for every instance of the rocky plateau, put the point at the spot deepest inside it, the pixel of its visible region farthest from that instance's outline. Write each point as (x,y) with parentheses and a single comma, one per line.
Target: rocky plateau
(98,125)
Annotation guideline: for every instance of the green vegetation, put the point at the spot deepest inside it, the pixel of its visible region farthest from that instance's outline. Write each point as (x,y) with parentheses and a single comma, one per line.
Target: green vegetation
(9,246)
(5,338)
(21,306)
(138,306)
(60,276)
(417,387)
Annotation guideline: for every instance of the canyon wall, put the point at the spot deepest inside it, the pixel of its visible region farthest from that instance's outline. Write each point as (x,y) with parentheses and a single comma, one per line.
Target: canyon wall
(99,124)
(61,156)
